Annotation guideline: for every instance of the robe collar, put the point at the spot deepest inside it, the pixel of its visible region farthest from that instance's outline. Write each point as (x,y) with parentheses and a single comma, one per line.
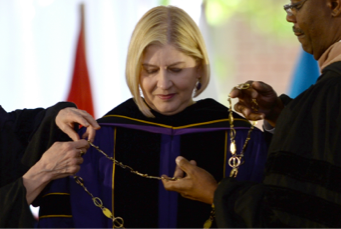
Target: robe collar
(331,55)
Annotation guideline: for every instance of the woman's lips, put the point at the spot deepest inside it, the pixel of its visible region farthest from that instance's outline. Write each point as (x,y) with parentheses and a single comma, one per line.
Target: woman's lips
(165,97)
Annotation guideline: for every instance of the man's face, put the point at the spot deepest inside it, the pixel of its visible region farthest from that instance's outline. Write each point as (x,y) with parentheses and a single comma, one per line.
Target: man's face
(312,26)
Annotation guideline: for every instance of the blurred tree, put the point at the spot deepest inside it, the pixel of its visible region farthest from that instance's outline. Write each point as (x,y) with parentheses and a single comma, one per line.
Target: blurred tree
(266,16)
(164,2)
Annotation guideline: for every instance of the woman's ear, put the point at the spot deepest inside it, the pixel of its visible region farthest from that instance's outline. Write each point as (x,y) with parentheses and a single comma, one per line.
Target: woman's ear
(199,71)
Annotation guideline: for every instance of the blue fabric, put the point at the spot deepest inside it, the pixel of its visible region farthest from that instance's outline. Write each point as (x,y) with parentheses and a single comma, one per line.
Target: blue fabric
(86,214)
(57,222)
(96,172)
(253,160)
(168,201)
(305,74)
(57,186)
(198,133)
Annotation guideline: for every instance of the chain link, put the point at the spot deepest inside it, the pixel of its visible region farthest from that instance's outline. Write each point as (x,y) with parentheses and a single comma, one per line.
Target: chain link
(237,159)
(130,169)
(118,222)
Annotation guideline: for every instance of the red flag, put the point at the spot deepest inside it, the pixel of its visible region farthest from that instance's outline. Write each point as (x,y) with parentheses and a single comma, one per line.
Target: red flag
(80,90)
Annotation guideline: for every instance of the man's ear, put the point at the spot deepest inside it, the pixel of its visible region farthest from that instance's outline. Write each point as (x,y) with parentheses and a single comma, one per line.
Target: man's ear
(335,6)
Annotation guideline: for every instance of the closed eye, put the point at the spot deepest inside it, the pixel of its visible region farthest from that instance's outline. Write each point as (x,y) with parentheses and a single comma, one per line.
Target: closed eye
(175,70)
(152,71)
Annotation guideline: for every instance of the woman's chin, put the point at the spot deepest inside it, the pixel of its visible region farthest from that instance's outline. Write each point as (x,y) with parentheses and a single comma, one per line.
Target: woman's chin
(169,110)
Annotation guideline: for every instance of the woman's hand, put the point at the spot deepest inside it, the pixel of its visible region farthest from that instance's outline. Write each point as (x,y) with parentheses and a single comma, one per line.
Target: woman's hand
(62,159)
(67,118)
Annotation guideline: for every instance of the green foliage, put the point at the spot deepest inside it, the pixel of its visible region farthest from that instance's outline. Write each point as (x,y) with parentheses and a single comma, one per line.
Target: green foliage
(164,2)
(264,16)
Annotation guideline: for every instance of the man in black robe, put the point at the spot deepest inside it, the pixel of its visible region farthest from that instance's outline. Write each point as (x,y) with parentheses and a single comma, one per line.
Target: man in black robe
(301,187)
(21,178)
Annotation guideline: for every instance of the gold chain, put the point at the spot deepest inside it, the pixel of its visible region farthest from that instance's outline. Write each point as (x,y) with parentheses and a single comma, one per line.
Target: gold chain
(130,169)
(236,159)
(118,222)
(234,162)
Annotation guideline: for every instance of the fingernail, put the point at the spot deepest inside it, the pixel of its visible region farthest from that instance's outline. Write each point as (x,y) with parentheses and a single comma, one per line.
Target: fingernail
(178,159)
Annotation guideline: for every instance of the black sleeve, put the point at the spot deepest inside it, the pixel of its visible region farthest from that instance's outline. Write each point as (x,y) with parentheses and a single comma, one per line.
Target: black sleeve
(239,204)
(14,210)
(17,131)
(45,135)
(285,99)
(267,135)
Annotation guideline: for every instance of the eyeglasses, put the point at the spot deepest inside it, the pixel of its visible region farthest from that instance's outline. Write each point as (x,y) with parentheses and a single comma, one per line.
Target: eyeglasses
(292,8)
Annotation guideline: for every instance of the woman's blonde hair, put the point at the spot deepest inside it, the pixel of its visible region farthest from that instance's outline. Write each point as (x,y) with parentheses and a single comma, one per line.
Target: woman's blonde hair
(165,25)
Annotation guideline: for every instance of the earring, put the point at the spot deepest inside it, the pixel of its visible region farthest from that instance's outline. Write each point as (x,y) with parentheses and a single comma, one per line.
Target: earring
(141,92)
(198,86)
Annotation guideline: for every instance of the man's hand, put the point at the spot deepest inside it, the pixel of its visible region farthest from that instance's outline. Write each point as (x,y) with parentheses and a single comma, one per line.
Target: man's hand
(257,102)
(67,118)
(198,184)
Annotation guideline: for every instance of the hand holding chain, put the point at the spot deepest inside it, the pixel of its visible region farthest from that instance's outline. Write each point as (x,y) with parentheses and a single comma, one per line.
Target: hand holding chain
(236,159)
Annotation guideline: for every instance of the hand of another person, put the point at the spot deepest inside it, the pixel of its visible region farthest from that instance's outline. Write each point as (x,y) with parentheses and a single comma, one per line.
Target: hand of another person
(257,102)
(62,159)
(198,184)
(67,118)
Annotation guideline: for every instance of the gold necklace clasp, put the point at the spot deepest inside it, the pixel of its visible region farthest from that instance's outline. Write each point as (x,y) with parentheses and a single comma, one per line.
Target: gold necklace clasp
(243,86)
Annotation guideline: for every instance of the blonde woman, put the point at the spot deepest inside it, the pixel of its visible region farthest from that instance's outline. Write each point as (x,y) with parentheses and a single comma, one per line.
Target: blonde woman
(167,65)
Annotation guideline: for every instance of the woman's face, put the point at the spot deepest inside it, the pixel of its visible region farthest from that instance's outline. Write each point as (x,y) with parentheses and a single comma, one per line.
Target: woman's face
(167,79)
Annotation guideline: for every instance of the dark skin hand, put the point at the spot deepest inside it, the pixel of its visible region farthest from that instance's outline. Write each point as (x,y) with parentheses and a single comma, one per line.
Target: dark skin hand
(258,102)
(198,184)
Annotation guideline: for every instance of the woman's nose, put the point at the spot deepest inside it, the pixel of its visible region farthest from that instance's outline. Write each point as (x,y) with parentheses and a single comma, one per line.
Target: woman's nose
(164,82)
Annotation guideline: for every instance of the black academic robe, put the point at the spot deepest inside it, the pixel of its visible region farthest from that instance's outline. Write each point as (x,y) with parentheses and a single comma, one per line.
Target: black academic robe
(16,130)
(150,146)
(302,185)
